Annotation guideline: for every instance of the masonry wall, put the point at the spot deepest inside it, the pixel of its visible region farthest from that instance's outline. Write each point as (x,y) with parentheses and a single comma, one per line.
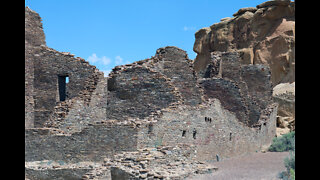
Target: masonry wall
(137,92)
(44,67)
(29,91)
(49,65)
(34,36)
(243,89)
(93,143)
(238,115)
(174,63)
(218,131)
(88,107)
(58,174)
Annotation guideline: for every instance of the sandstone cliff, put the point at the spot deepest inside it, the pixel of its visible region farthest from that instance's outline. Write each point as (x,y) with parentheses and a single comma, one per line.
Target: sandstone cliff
(262,35)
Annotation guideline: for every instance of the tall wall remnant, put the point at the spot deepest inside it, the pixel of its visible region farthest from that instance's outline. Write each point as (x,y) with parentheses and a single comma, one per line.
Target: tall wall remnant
(221,106)
(46,72)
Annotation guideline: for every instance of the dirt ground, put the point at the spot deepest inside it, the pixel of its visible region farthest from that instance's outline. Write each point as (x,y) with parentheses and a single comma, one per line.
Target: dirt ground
(257,166)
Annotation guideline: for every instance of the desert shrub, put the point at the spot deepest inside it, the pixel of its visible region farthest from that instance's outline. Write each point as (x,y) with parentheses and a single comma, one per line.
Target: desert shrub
(289,163)
(283,143)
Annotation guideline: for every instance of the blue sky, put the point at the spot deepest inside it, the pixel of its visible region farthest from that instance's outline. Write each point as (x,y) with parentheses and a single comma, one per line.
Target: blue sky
(108,33)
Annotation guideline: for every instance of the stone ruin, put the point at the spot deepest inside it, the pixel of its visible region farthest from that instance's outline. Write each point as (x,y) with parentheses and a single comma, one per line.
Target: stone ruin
(158,118)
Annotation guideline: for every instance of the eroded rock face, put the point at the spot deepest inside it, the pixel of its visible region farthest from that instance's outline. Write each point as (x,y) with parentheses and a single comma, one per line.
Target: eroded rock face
(284,95)
(262,35)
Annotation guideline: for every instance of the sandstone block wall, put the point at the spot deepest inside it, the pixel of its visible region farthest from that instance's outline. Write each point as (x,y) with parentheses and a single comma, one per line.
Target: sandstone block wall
(243,89)
(137,92)
(48,66)
(34,36)
(58,174)
(45,74)
(211,129)
(93,143)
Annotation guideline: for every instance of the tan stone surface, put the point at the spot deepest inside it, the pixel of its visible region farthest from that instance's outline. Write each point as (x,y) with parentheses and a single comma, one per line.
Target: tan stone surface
(264,35)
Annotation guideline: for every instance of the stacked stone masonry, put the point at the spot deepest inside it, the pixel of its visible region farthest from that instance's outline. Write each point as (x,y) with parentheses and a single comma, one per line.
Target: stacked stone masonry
(162,108)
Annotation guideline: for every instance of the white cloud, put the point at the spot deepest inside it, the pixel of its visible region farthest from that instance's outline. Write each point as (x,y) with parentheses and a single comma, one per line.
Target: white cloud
(105,60)
(106,64)
(95,59)
(119,60)
(191,28)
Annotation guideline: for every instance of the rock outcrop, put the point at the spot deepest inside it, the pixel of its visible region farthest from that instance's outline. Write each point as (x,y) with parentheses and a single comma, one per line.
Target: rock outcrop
(262,35)
(284,95)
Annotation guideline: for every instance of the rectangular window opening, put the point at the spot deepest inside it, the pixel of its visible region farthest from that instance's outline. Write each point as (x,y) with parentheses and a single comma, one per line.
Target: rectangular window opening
(184,133)
(62,82)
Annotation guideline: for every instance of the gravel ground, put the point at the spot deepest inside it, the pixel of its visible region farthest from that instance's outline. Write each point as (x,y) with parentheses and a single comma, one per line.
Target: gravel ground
(257,166)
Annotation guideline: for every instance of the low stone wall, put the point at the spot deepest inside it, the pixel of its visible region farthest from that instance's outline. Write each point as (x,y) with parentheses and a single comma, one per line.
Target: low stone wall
(57,174)
(93,143)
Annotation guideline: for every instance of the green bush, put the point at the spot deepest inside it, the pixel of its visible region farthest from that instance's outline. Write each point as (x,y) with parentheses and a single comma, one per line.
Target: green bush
(283,143)
(289,163)
(292,174)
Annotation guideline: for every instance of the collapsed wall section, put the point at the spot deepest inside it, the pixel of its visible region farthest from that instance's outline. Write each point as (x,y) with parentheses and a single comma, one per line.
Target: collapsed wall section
(47,91)
(137,92)
(174,63)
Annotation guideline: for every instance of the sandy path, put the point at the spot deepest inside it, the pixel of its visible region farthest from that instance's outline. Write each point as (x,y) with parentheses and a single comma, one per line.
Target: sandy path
(257,166)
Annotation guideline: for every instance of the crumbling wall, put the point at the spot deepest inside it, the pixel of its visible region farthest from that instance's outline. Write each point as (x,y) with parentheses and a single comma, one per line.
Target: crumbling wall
(34,34)
(44,68)
(243,89)
(137,92)
(175,64)
(49,65)
(238,115)
(75,114)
